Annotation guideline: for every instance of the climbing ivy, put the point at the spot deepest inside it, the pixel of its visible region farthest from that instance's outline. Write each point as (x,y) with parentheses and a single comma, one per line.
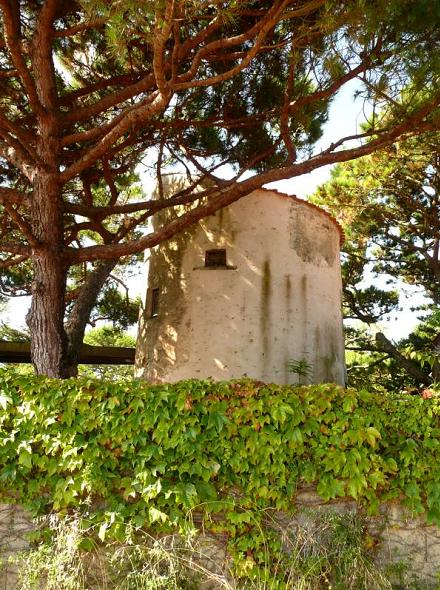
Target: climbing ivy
(153,456)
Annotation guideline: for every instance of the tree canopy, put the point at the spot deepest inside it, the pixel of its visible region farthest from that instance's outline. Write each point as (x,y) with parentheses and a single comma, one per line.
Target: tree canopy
(389,203)
(234,94)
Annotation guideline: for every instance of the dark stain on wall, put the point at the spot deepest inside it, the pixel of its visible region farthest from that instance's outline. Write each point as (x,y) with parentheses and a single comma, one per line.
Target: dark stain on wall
(265,319)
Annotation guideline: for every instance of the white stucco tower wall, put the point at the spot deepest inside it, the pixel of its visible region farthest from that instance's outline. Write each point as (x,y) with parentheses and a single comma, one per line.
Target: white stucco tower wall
(278,298)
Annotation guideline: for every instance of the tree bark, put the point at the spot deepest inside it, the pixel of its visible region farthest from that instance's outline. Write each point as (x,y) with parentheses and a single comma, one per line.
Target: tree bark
(412,368)
(435,347)
(45,317)
(80,314)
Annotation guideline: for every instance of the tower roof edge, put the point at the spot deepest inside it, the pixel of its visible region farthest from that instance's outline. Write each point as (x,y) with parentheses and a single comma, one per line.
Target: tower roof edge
(312,206)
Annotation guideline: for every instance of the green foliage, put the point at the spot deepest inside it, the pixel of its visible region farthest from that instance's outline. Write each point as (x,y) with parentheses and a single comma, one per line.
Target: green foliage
(108,336)
(155,456)
(12,334)
(389,206)
(300,367)
(116,307)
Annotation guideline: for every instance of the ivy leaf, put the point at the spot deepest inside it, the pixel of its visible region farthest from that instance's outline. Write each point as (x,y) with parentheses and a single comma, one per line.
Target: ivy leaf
(156,515)
(136,405)
(152,491)
(103,531)
(433,515)
(349,403)
(294,436)
(433,494)
(329,487)
(240,517)
(412,490)
(206,491)
(4,401)
(25,458)
(281,412)
(372,435)
(309,473)
(409,451)
(185,494)
(9,472)
(355,485)
(376,478)
(86,544)
(391,464)
(353,436)
(217,420)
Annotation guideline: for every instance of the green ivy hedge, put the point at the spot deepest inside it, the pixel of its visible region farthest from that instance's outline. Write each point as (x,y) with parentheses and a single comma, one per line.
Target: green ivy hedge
(130,452)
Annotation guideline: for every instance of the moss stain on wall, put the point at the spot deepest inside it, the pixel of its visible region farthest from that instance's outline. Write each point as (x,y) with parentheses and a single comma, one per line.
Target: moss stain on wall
(325,361)
(317,356)
(288,311)
(225,232)
(304,288)
(288,284)
(220,214)
(266,288)
(303,306)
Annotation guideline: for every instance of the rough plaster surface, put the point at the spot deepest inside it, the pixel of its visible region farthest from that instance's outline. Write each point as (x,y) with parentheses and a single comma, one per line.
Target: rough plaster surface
(401,538)
(278,299)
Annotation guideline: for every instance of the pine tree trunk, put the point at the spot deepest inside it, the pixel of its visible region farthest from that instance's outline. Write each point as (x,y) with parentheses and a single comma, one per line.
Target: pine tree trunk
(46,315)
(80,314)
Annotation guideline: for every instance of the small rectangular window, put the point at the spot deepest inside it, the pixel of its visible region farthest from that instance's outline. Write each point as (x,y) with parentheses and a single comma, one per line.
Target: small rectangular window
(215,258)
(154,304)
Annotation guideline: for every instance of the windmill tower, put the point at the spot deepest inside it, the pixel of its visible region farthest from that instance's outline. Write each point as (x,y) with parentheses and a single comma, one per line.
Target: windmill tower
(246,292)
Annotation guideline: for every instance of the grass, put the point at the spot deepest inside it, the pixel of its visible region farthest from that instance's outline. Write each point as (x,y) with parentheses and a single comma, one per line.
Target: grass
(325,552)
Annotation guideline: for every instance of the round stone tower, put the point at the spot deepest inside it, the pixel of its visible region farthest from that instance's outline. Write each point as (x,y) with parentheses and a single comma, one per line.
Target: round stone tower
(249,291)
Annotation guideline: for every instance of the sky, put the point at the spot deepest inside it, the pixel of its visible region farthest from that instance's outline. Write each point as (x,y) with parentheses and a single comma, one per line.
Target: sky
(346,113)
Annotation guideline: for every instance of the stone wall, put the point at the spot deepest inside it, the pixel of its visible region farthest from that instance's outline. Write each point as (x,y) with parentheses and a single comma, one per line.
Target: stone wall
(402,538)
(399,538)
(15,525)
